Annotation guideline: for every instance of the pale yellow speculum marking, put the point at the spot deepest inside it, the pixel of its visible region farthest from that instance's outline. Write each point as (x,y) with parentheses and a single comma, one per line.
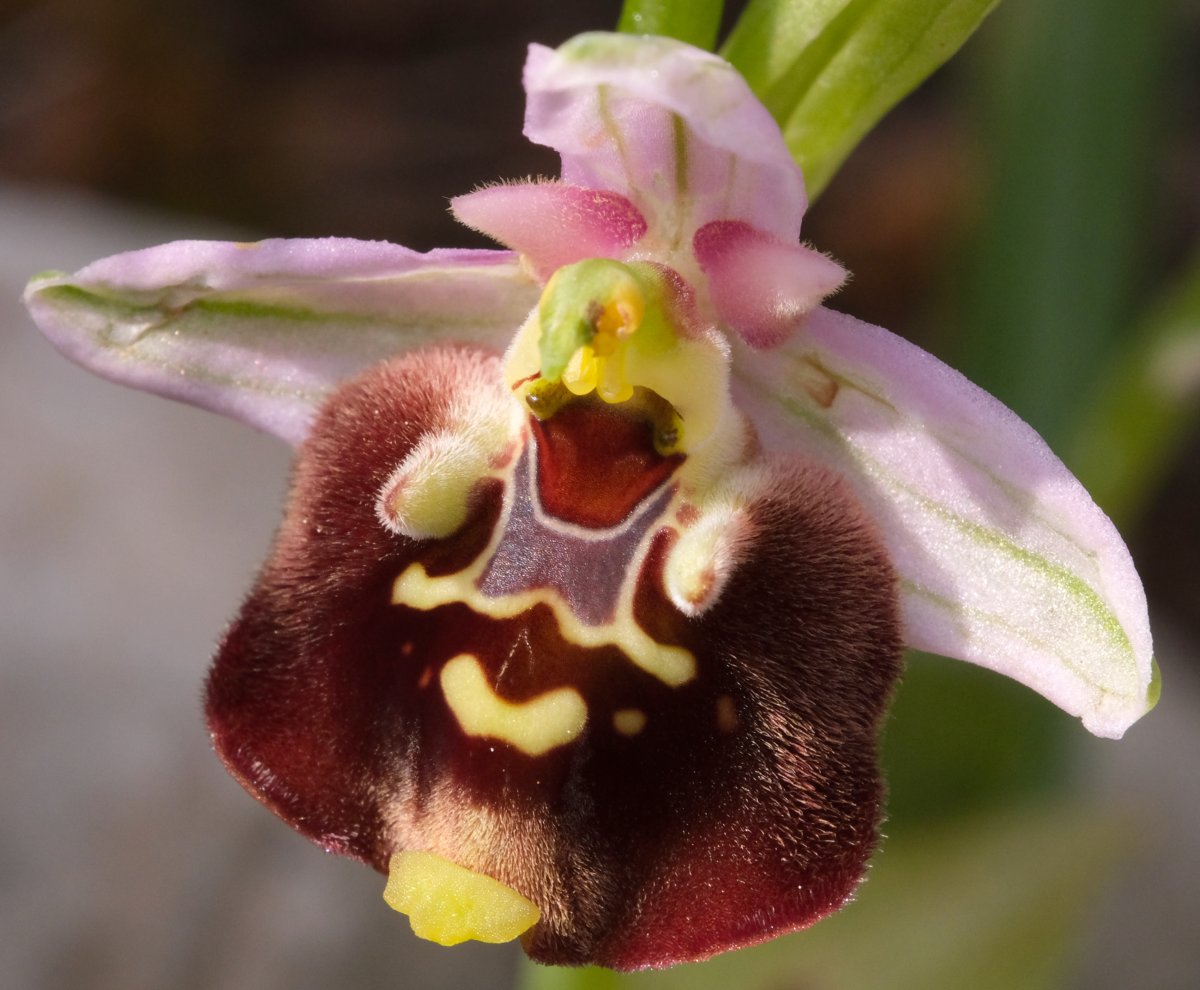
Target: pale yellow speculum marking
(447,903)
(672,665)
(534,727)
(629,721)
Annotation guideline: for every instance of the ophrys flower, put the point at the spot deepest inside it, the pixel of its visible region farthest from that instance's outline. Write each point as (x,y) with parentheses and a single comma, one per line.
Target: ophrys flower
(590,593)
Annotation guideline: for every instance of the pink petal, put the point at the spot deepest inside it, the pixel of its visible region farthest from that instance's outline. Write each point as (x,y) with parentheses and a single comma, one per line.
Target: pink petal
(761,287)
(673,128)
(1004,559)
(262,332)
(552,224)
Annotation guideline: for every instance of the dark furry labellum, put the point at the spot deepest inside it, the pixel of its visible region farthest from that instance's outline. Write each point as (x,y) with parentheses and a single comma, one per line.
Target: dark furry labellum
(522,697)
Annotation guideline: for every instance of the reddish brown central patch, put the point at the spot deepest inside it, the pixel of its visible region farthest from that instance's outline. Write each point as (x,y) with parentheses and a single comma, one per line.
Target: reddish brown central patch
(597,462)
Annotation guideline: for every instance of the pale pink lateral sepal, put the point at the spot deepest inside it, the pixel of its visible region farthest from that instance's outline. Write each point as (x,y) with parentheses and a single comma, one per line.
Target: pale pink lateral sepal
(674,129)
(1004,559)
(552,224)
(760,286)
(262,332)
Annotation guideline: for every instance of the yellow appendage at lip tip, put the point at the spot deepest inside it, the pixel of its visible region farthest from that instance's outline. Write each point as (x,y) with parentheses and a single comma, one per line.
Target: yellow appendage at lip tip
(448,904)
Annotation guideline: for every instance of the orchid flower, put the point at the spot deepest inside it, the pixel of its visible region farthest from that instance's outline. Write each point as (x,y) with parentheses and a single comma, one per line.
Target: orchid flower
(601,550)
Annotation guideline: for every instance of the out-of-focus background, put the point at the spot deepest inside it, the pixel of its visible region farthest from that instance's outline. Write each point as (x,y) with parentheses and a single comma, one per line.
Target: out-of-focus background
(1030,214)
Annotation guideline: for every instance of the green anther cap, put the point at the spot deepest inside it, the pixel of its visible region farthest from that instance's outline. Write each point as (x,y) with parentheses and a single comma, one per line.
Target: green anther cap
(589,315)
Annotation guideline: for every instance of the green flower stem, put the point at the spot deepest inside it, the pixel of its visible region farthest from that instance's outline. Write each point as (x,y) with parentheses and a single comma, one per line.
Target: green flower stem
(531,976)
(694,21)
(768,40)
(828,70)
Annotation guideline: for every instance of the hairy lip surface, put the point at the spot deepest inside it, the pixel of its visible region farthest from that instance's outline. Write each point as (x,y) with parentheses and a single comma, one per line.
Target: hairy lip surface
(755,779)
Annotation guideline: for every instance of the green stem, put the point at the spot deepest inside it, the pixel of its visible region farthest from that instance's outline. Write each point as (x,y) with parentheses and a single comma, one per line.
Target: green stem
(694,21)
(531,976)
(828,70)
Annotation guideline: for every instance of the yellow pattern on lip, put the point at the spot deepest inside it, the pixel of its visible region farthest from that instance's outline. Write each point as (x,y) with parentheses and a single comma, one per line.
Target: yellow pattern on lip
(414,588)
(534,727)
(672,665)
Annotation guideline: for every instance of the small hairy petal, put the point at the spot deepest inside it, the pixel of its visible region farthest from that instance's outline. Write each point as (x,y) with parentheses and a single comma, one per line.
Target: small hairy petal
(672,128)
(761,287)
(552,224)
(262,332)
(650,819)
(1004,559)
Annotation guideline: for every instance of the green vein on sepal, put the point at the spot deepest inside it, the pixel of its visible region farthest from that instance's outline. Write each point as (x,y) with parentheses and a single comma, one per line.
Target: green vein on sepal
(1154,691)
(108,304)
(1075,586)
(998,621)
(1072,585)
(1018,496)
(249,309)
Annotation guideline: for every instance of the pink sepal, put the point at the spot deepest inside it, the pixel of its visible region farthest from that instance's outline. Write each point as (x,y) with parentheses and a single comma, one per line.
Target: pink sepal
(1004,559)
(262,332)
(673,128)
